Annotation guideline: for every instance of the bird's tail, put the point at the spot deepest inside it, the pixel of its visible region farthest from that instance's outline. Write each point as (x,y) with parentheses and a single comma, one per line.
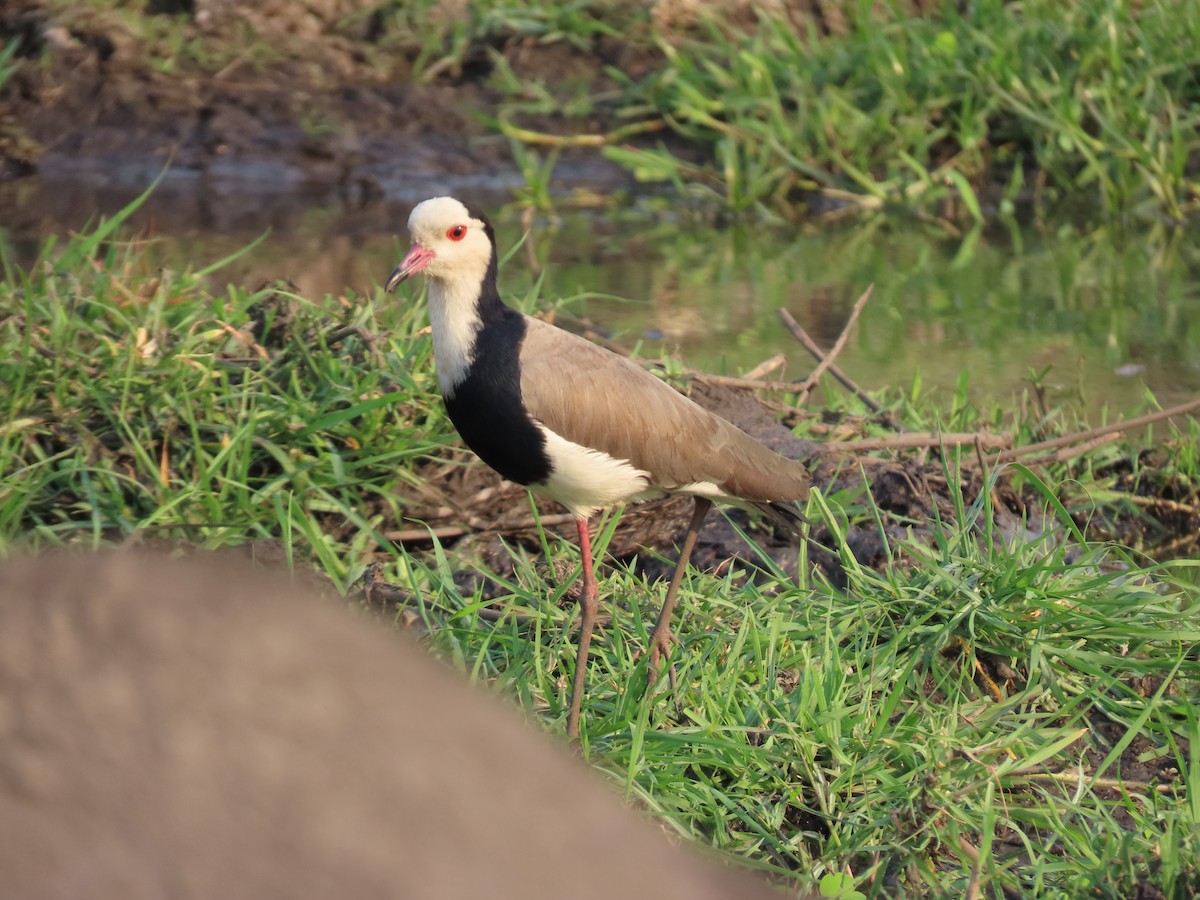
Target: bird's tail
(785,515)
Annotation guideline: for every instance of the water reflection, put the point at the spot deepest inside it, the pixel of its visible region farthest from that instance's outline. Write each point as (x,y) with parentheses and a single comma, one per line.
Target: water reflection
(1110,313)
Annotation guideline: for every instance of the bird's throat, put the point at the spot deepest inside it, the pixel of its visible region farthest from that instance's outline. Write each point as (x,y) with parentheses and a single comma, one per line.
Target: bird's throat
(455,321)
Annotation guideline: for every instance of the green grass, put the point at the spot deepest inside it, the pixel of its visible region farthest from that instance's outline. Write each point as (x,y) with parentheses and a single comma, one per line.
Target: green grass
(815,730)
(135,404)
(7,67)
(986,714)
(1090,101)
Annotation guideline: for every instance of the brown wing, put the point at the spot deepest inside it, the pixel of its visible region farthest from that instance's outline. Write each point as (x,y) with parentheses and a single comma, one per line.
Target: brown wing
(596,398)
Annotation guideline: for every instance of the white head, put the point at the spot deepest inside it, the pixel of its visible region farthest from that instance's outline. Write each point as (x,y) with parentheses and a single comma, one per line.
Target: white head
(449,244)
(457,251)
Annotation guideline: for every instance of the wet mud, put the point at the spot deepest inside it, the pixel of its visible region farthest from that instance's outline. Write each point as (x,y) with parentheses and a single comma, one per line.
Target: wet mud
(94,105)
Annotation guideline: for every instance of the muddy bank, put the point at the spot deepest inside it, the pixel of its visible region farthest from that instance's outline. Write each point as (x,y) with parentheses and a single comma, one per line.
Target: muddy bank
(281,99)
(376,99)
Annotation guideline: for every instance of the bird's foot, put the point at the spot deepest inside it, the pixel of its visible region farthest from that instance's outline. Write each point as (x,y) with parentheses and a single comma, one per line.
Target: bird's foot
(660,646)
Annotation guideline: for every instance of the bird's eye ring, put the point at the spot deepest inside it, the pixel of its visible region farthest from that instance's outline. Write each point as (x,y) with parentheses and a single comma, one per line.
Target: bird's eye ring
(457,233)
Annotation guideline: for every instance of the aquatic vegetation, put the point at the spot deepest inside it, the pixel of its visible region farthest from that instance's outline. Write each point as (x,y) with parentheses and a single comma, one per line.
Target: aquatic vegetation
(967,111)
(994,105)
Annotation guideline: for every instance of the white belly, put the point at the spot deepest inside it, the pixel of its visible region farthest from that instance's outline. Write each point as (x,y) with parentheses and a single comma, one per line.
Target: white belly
(585,480)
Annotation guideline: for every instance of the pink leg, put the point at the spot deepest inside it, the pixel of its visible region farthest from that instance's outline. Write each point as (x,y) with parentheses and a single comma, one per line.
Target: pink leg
(588,605)
(660,641)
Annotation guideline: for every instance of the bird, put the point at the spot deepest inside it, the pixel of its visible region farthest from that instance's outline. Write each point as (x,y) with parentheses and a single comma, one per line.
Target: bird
(573,421)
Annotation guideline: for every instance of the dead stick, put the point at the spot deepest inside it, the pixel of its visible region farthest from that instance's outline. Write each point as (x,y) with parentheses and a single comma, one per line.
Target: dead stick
(1070,452)
(825,363)
(1078,437)
(767,366)
(1112,784)
(408,535)
(811,346)
(754,384)
(1162,503)
(909,441)
(1187,540)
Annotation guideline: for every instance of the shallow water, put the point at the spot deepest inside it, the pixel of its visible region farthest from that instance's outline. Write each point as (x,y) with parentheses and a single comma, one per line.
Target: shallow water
(1102,314)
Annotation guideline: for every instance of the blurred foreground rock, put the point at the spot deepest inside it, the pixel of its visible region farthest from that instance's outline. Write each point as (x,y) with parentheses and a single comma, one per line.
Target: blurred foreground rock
(176,730)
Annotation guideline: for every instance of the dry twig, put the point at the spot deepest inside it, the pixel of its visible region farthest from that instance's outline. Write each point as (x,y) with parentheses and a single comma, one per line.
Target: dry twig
(810,382)
(911,440)
(1080,436)
(767,366)
(1163,503)
(811,346)
(1162,551)
(1071,452)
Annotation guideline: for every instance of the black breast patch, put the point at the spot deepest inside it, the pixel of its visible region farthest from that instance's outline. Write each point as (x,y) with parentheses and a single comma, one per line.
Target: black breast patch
(486,407)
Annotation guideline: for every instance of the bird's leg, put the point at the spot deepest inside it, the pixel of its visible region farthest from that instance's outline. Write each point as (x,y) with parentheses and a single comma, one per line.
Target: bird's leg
(588,604)
(660,641)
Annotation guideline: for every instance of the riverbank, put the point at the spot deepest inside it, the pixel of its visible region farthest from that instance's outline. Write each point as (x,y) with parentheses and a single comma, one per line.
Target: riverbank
(809,110)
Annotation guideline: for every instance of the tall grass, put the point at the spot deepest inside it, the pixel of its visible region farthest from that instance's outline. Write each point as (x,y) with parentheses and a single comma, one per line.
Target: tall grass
(140,402)
(1050,101)
(970,110)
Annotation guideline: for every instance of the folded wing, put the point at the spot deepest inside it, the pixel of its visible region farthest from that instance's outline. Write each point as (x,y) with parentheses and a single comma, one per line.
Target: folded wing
(596,398)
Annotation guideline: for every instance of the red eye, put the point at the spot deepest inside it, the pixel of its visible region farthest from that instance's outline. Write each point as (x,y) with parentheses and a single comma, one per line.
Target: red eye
(457,233)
